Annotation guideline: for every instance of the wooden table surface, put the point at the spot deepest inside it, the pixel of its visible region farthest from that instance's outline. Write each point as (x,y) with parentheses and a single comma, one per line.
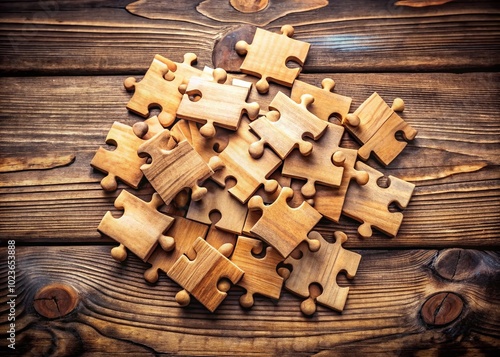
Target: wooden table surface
(433,290)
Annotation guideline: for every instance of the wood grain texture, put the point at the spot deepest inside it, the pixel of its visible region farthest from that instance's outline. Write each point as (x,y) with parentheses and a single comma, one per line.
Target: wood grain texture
(454,160)
(345,36)
(118,311)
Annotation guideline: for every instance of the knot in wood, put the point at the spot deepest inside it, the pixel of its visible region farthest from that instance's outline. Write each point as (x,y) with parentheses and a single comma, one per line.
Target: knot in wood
(249,6)
(442,308)
(457,264)
(224,55)
(55,300)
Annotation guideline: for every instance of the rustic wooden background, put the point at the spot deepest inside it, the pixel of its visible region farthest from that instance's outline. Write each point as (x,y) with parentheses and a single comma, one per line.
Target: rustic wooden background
(433,290)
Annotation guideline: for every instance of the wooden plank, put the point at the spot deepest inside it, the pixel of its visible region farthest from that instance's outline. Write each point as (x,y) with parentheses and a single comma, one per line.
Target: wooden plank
(116,311)
(454,160)
(364,36)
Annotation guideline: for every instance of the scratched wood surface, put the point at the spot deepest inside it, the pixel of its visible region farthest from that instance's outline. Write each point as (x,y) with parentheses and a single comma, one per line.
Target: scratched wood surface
(62,68)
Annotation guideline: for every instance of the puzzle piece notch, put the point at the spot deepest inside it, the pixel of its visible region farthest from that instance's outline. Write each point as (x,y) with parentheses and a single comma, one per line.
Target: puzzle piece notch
(158,88)
(326,103)
(260,276)
(369,204)
(122,163)
(322,267)
(325,164)
(170,171)
(201,277)
(375,125)
(212,103)
(140,228)
(283,227)
(284,127)
(268,54)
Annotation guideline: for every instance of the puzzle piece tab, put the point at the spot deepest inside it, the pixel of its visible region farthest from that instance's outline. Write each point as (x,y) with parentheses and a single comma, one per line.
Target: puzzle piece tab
(140,228)
(283,227)
(374,124)
(369,203)
(200,277)
(248,172)
(212,103)
(268,54)
(284,127)
(322,267)
(170,171)
(122,163)
(326,104)
(323,166)
(260,276)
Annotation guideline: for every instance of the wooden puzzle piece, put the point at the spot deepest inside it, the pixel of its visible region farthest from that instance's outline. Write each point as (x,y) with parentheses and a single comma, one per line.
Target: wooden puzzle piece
(122,163)
(375,125)
(329,200)
(185,233)
(369,203)
(212,103)
(148,128)
(268,55)
(158,88)
(170,171)
(326,104)
(261,275)
(248,172)
(323,166)
(221,240)
(140,228)
(284,227)
(218,199)
(284,127)
(206,147)
(200,277)
(322,267)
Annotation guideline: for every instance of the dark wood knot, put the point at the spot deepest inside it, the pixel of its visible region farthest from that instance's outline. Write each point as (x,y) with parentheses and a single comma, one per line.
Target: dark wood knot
(224,55)
(442,308)
(457,264)
(55,300)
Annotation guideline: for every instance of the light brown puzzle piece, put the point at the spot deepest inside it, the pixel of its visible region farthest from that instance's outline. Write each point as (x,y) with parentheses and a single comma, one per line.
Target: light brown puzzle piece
(221,240)
(140,228)
(330,200)
(374,124)
(170,171)
(218,199)
(248,172)
(260,276)
(326,104)
(284,127)
(322,267)
(323,166)
(200,277)
(283,227)
(268,54)
(122,163)
(158,88)
(185,233)
(211,103)
(369,203)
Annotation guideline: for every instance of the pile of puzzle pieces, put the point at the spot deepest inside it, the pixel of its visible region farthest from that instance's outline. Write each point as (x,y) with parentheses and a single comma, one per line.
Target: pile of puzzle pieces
(271,173)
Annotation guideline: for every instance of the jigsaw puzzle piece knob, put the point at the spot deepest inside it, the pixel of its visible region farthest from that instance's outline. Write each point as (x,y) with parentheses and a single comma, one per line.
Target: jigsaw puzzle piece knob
(166,243)
(151,275)
(398,105)
(208,130)
(119,253)
(183,298)
(256,149)
(351,119)
(109,183)
(314,241)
